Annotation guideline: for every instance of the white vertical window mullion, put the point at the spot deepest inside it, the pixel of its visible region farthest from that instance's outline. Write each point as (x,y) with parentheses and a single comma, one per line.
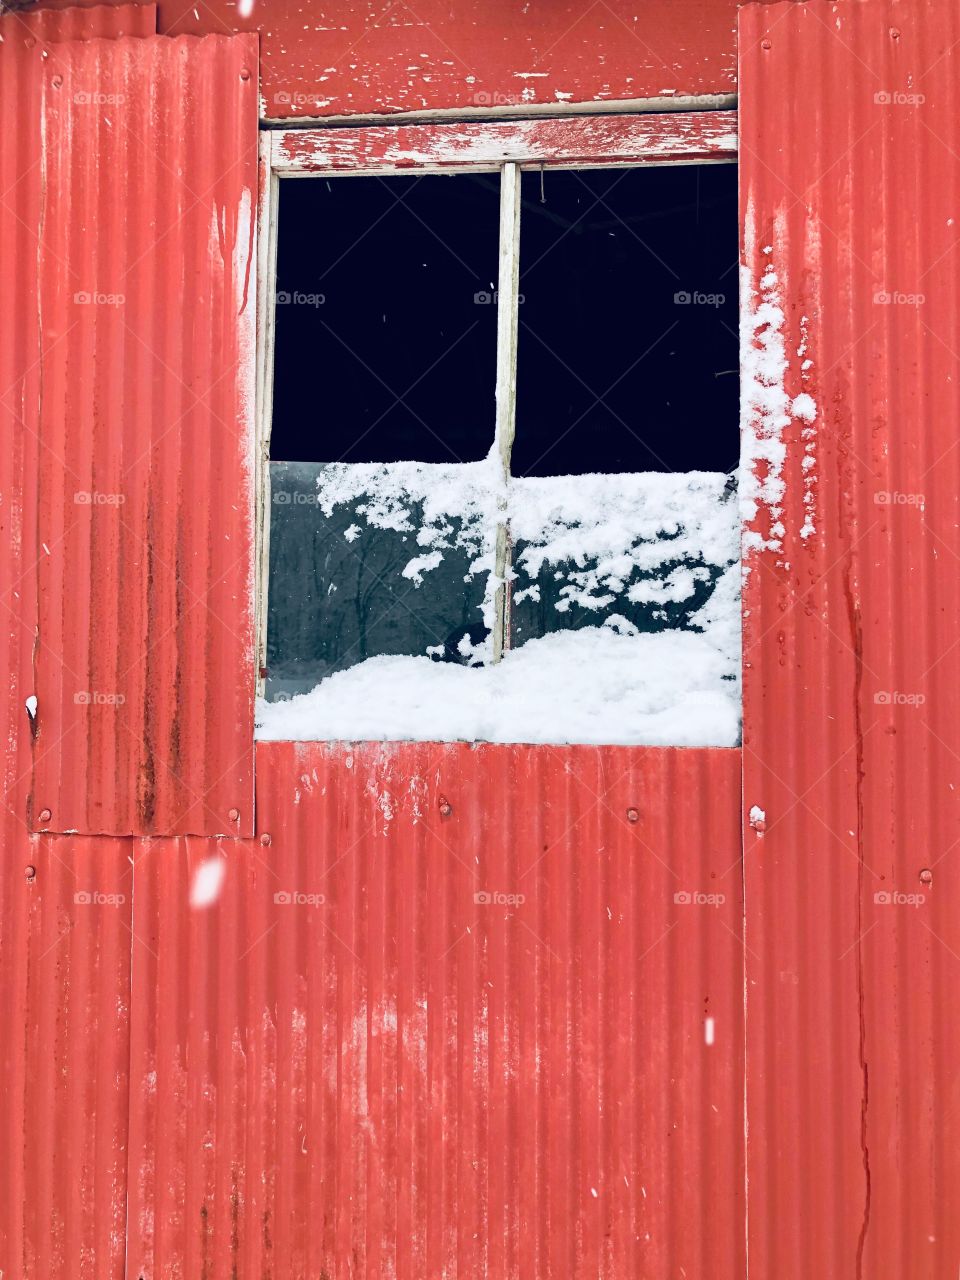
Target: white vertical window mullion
(508,293)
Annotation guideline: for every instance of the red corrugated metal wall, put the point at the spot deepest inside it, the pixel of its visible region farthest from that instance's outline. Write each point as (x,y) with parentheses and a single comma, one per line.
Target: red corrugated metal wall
(851,201)
(350,1065)
(274,1048)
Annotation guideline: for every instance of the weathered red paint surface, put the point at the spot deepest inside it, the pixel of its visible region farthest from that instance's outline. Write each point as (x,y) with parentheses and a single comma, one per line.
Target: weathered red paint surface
(348,58)
(849,143)
(690,137)
(144,659)
(350,1065)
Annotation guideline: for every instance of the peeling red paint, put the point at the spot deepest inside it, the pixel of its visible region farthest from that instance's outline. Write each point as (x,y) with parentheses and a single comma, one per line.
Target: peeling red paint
(695,137)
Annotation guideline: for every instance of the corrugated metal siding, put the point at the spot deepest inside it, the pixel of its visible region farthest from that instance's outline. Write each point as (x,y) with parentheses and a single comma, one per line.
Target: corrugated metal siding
(396,1079)
(145,653)
(64,994)
(851,192)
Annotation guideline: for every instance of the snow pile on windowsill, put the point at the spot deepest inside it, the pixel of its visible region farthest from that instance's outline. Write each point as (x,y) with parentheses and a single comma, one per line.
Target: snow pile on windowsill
(588,686)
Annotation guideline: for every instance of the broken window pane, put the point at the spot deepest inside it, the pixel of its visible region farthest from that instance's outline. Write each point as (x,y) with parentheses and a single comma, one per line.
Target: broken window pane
(386,319)
(628,348)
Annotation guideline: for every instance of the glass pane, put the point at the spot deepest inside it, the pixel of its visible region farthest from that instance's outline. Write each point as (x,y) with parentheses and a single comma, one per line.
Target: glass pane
(374,560)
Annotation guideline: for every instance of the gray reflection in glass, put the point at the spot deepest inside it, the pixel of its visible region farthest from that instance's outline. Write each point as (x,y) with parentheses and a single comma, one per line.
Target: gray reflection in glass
(337,594)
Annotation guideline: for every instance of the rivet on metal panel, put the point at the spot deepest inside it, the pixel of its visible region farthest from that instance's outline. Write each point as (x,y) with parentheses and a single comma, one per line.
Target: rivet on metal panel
(766,44)
(266,838)
(233,815)
(894,33)
(446,808)
(45,815)
(926,876)
(633,815)
(57,82)
(244,73)
(30,872)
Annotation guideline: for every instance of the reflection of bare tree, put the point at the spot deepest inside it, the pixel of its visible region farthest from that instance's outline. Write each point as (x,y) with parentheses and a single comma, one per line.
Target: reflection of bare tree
(337,591)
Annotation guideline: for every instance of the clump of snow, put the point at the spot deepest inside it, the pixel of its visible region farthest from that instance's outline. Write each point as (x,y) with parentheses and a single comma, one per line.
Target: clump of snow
(767,409)
(589,686)
(804,407)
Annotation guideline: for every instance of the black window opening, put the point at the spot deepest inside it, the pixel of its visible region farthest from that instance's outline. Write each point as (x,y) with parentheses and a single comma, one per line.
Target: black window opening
(382,537)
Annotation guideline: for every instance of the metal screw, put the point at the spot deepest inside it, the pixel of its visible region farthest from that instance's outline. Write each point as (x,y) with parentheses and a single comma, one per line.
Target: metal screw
(446,808)
(45,815)
(894,33)
(926,876)
(244,73)
(633,815)
(765,44)
(233,815)
(31,872)
(266,838)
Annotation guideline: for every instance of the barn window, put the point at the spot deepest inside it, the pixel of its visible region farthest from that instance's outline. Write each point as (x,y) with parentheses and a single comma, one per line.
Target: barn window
(504,412)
